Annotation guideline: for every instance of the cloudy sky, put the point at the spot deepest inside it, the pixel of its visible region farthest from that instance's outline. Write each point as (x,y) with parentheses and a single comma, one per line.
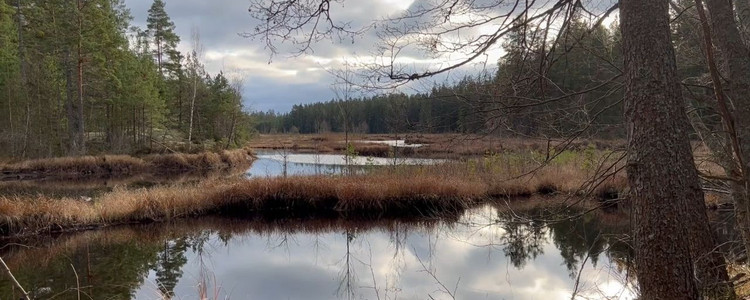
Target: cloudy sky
(286,80)
(280,81)
(283,80)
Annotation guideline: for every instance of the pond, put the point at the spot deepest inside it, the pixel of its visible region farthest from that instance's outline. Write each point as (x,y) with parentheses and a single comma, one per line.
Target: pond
(488,253)
(277,163)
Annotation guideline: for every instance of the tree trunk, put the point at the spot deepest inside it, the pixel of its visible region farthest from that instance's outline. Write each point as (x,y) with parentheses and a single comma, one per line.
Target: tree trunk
(192,110)
(670,216)
(80,141)
(743,15)
(71,106)
(735,58)
(158,50)
(231,130)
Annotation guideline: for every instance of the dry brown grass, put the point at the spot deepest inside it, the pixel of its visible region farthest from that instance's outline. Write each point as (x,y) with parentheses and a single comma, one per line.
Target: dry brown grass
(436,145)
(114,165)
(360,195)
(396,191)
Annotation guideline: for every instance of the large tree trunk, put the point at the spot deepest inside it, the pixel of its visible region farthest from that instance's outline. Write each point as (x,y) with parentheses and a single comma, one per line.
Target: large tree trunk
(671,226)
(735,59)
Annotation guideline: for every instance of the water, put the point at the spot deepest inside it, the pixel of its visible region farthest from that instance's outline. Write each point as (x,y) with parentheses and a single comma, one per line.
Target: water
(393,143)
(486,254)
(272,163)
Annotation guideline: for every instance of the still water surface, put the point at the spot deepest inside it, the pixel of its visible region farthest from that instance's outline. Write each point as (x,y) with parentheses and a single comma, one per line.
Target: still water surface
(485,254)
(276,163)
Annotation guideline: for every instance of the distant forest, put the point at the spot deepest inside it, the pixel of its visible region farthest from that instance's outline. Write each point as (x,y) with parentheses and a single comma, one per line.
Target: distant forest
(76,78)
(578,93)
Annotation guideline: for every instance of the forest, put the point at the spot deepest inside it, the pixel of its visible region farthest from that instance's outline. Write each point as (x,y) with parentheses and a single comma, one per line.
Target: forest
(77,78)
(498,102)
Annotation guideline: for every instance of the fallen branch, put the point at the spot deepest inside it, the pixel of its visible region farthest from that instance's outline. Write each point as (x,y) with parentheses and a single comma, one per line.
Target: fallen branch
(13,278)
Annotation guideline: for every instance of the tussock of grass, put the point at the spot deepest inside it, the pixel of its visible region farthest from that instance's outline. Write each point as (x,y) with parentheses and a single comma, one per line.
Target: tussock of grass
(110,165)
(365,195)
(401,191)
(366,149)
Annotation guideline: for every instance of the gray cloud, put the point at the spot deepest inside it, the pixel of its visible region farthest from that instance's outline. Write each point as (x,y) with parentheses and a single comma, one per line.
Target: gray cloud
(285,80)
(279,82)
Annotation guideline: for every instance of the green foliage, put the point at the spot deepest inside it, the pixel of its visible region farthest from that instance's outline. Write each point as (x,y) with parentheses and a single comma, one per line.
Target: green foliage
(512,101)
(161,30)
(350,152)
(71,66)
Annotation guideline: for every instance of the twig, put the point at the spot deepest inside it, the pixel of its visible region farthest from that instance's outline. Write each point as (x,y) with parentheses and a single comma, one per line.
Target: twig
(78,282)
(432,274)
(13,278)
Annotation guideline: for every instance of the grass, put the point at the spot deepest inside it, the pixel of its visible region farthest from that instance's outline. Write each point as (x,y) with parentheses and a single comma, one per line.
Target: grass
(436,190)
(426,196)
(435,145)
(118,165)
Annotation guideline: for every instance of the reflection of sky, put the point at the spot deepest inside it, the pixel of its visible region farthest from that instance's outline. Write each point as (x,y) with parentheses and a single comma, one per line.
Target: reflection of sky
(269,164)
(268,167)
(313,266)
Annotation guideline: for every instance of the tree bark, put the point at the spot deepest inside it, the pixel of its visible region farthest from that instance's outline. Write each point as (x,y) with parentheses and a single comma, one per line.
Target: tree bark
(71,106)
(743,15)
(192,108)
(81,130)
(671,225)
(735,58)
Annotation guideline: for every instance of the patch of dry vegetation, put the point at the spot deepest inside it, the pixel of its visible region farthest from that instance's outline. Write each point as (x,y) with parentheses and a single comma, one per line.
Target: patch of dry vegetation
(435,145)
(360,195)
(118,165)
(399,191)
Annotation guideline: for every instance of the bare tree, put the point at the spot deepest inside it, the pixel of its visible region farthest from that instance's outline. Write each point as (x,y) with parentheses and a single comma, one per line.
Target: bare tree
(195,70)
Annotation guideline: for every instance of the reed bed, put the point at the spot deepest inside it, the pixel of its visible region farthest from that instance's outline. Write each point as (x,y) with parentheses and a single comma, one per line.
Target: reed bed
(361,195)
(401,191)
(118,165)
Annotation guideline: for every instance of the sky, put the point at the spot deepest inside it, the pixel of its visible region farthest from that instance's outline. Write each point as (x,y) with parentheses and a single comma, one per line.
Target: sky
(275,82)
(278,82)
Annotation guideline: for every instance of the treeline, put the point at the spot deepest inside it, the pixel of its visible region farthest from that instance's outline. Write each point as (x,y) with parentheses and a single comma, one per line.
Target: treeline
(76,78)
(567,87)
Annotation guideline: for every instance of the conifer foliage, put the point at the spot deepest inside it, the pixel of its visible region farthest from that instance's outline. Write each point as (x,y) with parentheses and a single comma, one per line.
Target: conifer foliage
(76,78)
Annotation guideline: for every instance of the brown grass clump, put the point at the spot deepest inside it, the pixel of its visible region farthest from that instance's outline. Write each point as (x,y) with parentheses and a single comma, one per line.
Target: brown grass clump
(387,191)
(117,165)
(370,149)
(79,165)
(235,158)
(365,195)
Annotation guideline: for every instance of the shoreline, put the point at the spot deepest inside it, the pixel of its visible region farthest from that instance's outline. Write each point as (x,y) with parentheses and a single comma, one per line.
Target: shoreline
(365,196)
(85,167)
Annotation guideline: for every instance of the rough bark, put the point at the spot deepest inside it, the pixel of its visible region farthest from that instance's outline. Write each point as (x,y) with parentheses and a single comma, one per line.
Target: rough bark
(742,12)
(671,225)
(735,59)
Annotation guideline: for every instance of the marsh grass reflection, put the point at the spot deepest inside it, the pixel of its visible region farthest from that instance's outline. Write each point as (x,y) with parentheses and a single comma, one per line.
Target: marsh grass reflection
(375,258)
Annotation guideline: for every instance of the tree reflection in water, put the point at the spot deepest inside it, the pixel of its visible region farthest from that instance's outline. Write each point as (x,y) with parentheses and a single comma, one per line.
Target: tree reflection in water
(379,259)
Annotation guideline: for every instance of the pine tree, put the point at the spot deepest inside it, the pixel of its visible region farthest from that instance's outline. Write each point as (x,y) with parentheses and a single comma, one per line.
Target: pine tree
(161,30)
